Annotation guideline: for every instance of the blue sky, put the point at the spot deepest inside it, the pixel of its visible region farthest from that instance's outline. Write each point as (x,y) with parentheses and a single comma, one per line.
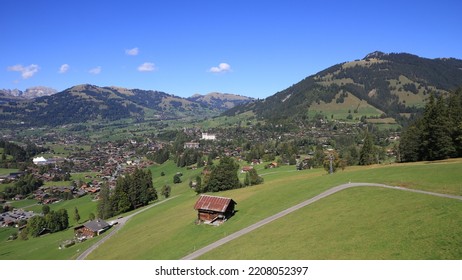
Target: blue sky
(252,48)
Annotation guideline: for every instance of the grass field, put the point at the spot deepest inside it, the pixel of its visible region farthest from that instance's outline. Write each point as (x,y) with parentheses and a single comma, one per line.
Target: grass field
(359,223)
(46,247)
(169,232)
(7,171)
(42,248)
(340,111)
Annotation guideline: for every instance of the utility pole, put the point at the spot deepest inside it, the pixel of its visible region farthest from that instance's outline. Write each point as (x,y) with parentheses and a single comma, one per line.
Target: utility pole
(331,169)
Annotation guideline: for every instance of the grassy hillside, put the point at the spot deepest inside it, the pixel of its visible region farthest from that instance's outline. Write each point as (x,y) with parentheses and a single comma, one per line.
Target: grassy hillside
(393,83)
(359,223)
(169,232)
(340,110)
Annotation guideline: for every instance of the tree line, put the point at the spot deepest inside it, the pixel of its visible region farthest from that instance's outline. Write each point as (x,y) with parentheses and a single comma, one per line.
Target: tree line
(24,186)
(19,153)
(51,221)
(131,191)
(437,134)
(223,176)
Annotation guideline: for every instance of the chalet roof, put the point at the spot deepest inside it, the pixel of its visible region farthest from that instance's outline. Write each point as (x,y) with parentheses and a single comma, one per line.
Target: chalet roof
(213,203)
(96,225)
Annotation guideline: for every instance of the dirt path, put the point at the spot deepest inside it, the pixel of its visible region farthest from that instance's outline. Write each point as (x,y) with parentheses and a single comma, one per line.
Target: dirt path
(121,223)
(281,214)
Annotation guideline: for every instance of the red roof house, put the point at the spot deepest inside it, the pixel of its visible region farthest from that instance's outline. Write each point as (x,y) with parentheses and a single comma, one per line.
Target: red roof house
(214,209)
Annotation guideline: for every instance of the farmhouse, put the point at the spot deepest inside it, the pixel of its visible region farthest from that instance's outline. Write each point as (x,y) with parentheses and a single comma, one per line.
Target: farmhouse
(207,136)
(39,161)
(91,228)
(246,169)
(191,145)
(214,209)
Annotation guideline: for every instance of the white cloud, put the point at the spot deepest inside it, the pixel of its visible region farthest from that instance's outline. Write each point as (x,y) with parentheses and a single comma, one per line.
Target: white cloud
(96,70)
(132,52)
(26,71)
(64,68)
(222,68)
(147,67)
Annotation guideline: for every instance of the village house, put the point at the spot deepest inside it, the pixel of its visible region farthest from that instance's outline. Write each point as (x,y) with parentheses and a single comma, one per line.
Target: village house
(191,145)
(214,210)
(39,161)
(207,136)
(246,169)
(12,218)
(91,228)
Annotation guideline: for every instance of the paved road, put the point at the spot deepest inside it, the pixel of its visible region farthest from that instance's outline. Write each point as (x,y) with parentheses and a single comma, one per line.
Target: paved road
(121,223)
(281,214)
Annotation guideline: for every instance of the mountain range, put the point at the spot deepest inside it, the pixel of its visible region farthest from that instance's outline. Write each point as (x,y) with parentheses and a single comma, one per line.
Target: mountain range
(29,93)
(388,85)
(86,103)
(380,85)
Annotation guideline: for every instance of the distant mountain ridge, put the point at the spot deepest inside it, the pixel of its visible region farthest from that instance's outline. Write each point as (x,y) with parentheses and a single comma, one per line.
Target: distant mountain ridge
(87,103)
(395,84)
(220,101)
(30,93)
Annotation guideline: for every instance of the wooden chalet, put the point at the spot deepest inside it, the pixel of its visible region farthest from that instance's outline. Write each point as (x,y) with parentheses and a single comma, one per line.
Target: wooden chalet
(214,209)
(246,169)
(91,228)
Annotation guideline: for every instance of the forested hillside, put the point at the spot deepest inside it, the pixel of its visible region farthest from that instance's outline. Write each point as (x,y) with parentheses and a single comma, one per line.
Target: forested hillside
(437,134)
(396,84)
(85,103)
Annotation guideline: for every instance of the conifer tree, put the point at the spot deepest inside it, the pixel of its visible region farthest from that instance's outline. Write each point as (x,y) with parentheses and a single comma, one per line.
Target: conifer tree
(367,155)
(76,215)
(223,176)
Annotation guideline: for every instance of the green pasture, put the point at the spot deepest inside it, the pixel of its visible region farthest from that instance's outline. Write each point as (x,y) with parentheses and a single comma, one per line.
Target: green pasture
(81,176)
(169,232)
(41,248)
(169,168)
(7,171)
(359,223)
(64,150)
(46,247)
(341,111)
(24,203)
(57,184)
(241,119)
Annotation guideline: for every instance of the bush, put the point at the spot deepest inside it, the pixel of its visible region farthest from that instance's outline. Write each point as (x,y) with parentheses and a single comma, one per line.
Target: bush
(177,179)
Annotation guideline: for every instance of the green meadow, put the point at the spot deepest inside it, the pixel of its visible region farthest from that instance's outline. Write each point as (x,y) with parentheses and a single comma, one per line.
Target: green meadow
(169,232)
(7,171)
(47,246)
(351,105)
(358,223)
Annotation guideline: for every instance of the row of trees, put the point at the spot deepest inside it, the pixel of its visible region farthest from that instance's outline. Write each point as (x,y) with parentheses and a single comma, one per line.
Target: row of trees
(224,176)
(24,186)
(131,191)
(19,153)
(437,134)
(18,156)
(160,156)
(51,221)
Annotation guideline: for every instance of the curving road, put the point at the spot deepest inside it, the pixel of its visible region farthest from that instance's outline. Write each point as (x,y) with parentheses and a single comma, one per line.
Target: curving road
(281,214)
(121,223)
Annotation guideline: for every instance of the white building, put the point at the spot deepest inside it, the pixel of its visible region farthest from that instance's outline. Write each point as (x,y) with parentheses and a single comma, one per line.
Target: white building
(39,160)
(207,136)
(191,145)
